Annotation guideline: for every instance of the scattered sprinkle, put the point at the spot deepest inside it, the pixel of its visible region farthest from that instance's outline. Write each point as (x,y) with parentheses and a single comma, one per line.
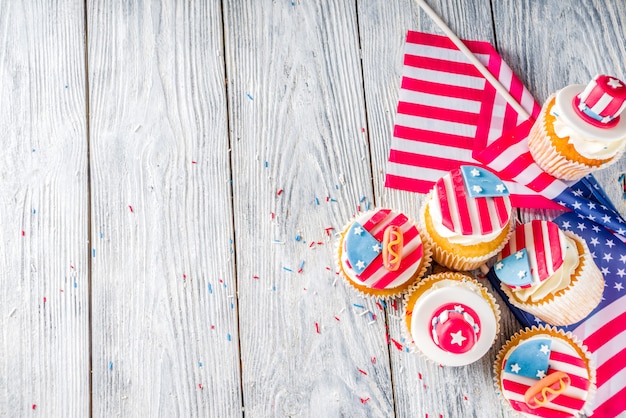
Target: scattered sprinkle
(328,230)
(279,192)
(298,238)
(255,277)
(131,209)
(419,375)
(210,288)
(200,363)
(301,267)
(373,360)
(249,96)
(287,269)
(93,252)
(23,233)
(363,372)
(337,318)
(110,365)
(317,328)
(34,406)
(317,201)
(200,386)
(363,400)
(362,199)
(266,164)
(228,337)
(397,344)
(356,305)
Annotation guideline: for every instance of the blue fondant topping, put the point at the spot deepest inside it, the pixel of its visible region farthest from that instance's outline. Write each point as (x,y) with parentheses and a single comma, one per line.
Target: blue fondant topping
(514,270)
(530,359)
(480,182)
(361,247)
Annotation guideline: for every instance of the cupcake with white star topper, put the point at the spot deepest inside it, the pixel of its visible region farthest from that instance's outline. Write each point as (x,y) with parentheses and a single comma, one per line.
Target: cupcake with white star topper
(580,129)
(466,218)
(381,253)
(451,319)
(545,372)
(549,273)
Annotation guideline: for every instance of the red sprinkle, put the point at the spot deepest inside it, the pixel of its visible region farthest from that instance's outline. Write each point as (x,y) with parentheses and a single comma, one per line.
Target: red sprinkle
(184,277)
(394,304)
(379,306)
(373,360)
(200,386)
(34,406)
(193,162)
(317,327)
(337,319)
(131,208)
(363,372)
(255,277)
(272,214)
(44,299)
(363,400)
(420,375)
(23,233)
(278,193)
(397,344)
(328,230)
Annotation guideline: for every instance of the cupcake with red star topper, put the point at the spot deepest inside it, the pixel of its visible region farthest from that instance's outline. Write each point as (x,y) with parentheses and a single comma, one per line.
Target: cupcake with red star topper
(545,372)
(549,273)
(580,129)
(451,319)
(381,253)
(466,218)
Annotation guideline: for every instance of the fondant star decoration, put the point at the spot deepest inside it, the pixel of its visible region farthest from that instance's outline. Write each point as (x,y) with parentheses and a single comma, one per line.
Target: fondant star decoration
(457,338)
(545,349)
(515,368)
(358,230)
(499,266)
(519,255)
(500,188)
(360,264)
(614,83)
(521,274)
(475,173)
(376,248)
(477,189)
(541,374)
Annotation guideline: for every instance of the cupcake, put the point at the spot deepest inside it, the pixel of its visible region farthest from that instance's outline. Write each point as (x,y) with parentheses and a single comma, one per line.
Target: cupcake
(579,129)
(451,319)
(466,218)
(549,273)
(381,253)
(545,372)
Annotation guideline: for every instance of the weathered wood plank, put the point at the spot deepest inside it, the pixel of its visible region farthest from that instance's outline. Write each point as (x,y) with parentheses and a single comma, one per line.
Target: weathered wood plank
(420,387)
(44,290)
(584,39)
(296,102)
(164,307)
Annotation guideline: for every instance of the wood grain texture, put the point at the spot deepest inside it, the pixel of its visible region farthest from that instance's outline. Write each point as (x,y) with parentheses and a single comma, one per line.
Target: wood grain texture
(164,296)
(296,102)
(585,39)
(420,387)
(44,290)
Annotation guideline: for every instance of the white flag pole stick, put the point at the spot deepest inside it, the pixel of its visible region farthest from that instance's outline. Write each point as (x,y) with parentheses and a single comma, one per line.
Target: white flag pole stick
(479,65)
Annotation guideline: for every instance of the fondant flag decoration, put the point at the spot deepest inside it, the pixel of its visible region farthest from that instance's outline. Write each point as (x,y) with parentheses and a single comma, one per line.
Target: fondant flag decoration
(514,270)
(447,109)
(530,359)
(361,247)
(604,330)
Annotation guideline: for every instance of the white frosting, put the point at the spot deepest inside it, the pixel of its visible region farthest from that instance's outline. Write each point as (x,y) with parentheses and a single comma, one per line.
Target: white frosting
(449,291)
(589,141)
(454,237)
(559,280)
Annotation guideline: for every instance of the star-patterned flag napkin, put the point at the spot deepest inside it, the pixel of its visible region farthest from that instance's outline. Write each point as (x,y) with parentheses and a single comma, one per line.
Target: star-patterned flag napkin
(604,330)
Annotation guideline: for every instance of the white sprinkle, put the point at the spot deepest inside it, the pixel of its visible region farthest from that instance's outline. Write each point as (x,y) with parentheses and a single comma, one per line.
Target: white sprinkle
(371,322)
(12,312)
(364,312)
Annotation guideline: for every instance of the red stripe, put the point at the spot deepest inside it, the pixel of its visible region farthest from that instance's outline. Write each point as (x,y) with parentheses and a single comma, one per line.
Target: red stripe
(510,115)
(500,145)
(514,387)
(539,412)
(540,251)
(461,202)
(541,182)
(613,406)
(534,201)
(376,218)
(432,137)
(561,400)
(501,211)
(594,96)
(613,365)
(611,108)
(520,238)
(437,113)
(444,204)
(566,358)
(517,165)
(405,264)
(442,65)
(483,215)
(606,332)
(421,38)
(425,161)
(440,89)
(555,246)
(408,184)
(379,231)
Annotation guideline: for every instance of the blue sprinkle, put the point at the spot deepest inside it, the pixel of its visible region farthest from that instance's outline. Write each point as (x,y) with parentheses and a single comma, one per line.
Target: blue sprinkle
(287,269)
(200,363)
(93,252)
(210,288)
(232,305)
(358,306)
(75,285)
(382,302)
(337,186)
(274,288)
(110,365)
(317,201)
(367,207)
(333,200)
(298,237)
(249,96)
(224,285)
(301,265)
(34,211)
(362,199)
(66,86)
(266,164)
(228,336)
(33,150)
(101,235)
(372,315)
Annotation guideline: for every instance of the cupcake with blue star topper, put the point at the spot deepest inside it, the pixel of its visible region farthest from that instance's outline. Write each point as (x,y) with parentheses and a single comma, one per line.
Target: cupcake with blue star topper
(381,253)
(466,218)
(549,273)
(545,372)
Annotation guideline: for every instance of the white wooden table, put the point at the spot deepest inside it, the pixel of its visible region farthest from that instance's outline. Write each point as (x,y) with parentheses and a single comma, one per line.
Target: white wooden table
(169,173)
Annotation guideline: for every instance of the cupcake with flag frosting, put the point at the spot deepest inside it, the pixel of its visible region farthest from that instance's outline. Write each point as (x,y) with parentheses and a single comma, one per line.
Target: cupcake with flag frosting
(466,218)
(381,253)
(545,372)
(580,129)
(451,319)
(549,273)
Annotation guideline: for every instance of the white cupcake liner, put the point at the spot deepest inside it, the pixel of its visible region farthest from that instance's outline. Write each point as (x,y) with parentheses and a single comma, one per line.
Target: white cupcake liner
(551,331)
(428,282)
(456,261)
(551,161)
(370,293)
(573,303)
